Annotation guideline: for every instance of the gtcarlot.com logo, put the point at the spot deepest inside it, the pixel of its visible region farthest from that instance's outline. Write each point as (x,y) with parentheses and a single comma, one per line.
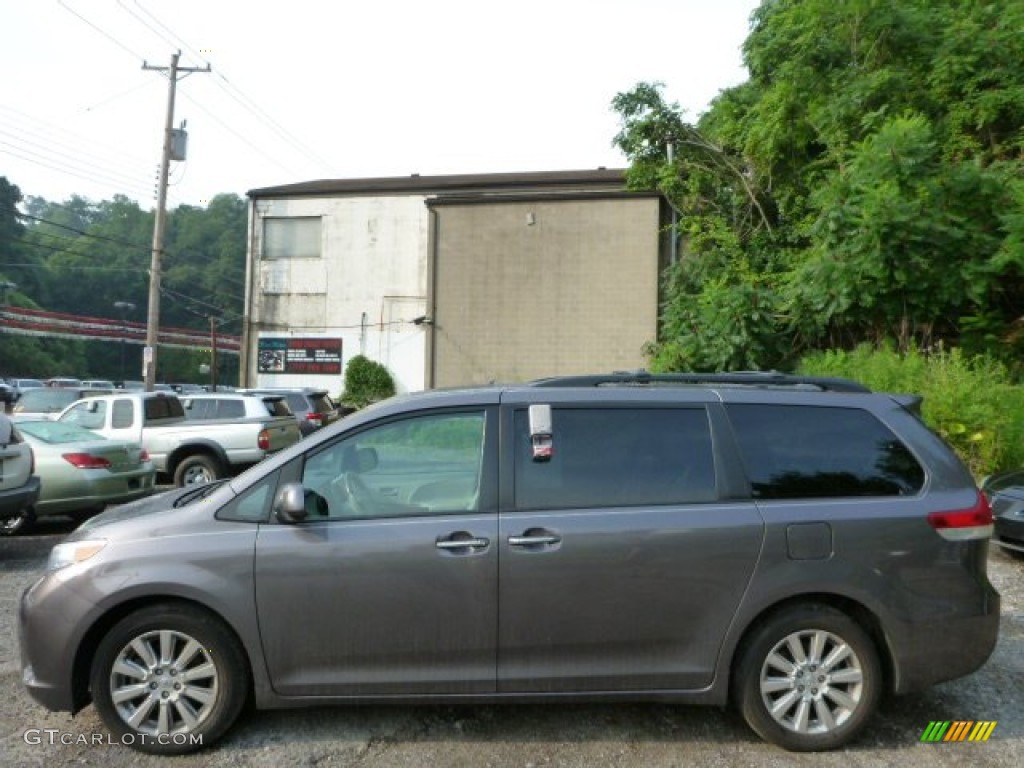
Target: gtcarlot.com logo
(958,730)
(35,736)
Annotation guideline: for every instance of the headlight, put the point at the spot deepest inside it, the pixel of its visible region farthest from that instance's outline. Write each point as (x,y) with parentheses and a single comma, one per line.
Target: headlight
(71,552)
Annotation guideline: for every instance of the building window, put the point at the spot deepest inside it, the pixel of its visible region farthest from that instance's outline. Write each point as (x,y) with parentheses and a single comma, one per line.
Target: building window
(291,238)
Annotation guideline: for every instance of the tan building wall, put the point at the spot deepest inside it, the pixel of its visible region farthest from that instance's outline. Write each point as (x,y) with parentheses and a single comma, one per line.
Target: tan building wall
(534,288)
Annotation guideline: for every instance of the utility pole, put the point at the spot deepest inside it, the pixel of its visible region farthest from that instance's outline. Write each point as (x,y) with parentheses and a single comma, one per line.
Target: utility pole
(153,316)
(213,353)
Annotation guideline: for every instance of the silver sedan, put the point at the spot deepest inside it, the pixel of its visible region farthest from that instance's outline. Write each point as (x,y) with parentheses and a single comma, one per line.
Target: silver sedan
(82,472)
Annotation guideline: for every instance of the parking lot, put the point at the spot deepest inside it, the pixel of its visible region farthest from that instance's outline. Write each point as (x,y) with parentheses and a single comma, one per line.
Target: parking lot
(535,735)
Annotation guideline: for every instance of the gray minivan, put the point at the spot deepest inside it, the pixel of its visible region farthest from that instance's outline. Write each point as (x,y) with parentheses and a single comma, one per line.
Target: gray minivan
(785,544)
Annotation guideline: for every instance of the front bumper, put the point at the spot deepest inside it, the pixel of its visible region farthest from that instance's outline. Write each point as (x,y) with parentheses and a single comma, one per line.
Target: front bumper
(49,621)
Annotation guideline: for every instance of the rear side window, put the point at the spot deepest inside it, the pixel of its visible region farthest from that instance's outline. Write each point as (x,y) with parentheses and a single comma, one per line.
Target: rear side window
(122,415)
(277,406)
(613,457)
(157,408)
(802,452)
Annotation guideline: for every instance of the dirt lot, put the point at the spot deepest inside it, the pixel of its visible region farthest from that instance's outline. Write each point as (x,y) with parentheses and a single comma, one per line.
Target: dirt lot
(524,736)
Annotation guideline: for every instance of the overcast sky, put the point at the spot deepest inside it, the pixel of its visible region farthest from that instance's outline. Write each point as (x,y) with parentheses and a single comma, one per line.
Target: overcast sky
(311,89)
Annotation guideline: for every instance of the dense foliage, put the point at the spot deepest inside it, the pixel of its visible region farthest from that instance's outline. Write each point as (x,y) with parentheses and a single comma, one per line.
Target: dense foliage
(865,183)
(366,381)
(82,257)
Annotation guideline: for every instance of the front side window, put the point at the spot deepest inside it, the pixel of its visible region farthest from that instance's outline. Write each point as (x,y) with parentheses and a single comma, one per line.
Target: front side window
(798,452)
(425,465)
(614,457)
(291,238)
(90,414)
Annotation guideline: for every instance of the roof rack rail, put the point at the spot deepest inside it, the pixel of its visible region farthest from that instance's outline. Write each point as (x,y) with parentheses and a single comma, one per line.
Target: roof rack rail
(738,378)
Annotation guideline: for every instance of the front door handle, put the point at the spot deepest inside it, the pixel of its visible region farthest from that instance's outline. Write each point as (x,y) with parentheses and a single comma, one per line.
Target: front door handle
(462,541)
(534,538)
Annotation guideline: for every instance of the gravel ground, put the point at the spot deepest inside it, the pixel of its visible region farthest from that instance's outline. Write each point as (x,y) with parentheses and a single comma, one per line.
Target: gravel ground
(526,736)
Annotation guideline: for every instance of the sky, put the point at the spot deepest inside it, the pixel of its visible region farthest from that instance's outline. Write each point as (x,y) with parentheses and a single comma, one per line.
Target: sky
(309,89)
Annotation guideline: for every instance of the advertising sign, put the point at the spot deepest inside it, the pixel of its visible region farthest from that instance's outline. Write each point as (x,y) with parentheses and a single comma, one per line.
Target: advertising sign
(299,355)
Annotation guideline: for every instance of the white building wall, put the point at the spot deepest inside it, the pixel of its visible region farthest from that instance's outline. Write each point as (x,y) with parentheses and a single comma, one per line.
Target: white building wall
(366,288)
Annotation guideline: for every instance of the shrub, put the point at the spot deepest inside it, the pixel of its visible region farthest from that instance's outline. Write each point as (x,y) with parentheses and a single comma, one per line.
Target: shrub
(366,382)
(970,401)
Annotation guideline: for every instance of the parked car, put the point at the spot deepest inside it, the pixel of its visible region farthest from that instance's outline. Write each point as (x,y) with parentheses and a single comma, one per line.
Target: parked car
(313,408)
(19,485)
(22,385)
(106,384)
(1005,491)
(187,451)
(47,402)
(232,405)
(796,546)
(63,381)
(82,472)
(8,395)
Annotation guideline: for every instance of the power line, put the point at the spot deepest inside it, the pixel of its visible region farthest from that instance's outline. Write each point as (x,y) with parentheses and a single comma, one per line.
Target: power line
(71,160)
(239,96)
(81,232)
(107,35)
(93,177)
(231,130)
(109,154)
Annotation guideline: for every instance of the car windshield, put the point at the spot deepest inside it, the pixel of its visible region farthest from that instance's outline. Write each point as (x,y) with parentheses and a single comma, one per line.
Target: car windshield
(57,432)
(46,400)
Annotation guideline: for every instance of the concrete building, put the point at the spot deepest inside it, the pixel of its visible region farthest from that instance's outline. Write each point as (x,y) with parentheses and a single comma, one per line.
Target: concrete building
(450,280)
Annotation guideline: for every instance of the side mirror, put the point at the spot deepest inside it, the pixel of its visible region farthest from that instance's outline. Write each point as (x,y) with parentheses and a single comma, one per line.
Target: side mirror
(290,504)
(93,406)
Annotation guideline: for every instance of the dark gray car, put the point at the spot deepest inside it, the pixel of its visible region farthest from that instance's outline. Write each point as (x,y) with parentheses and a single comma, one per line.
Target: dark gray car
(789,545)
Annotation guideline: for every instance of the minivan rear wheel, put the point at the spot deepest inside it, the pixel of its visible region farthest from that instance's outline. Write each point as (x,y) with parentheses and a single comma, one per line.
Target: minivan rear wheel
(809,679)
(169,679)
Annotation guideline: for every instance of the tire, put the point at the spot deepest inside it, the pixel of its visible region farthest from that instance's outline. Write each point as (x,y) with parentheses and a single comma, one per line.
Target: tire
(809,679)
(131,664)
(193,470)
(18,523)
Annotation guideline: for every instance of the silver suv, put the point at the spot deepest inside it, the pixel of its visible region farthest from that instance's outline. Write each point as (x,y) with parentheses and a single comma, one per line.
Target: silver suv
(19,486)
(788,545)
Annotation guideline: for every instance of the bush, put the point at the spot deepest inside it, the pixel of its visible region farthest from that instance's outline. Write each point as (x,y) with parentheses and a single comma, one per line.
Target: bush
(970,401)
(366,382)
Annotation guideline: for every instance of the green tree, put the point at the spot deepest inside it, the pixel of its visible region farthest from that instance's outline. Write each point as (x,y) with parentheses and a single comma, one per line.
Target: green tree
(865,181)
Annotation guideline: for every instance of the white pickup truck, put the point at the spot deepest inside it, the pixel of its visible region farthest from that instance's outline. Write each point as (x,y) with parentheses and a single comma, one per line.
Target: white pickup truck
(187,451)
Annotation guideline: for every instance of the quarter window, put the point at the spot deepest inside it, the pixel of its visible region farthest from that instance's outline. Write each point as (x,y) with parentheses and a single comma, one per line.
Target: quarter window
(796,452)
(617,457)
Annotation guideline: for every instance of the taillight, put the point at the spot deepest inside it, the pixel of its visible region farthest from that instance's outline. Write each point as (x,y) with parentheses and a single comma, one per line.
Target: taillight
(86,460)
(144,456)
(316,418)
(964,524)
(263,440)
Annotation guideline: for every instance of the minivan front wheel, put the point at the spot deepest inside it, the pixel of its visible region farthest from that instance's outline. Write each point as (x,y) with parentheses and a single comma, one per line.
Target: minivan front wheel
(809,679)
(169,679)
